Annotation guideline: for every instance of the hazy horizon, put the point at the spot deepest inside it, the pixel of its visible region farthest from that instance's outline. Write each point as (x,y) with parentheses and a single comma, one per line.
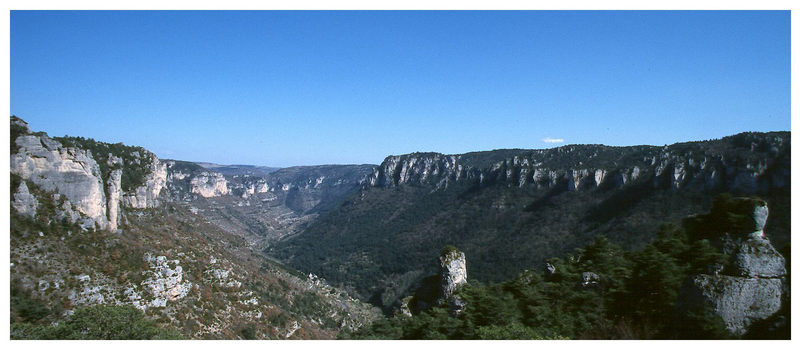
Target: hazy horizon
(295,88)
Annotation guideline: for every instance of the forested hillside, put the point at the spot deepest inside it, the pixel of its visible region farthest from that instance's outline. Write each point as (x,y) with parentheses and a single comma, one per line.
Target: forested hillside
(602,291)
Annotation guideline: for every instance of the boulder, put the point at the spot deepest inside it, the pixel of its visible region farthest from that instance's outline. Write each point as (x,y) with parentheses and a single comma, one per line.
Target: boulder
(589,278)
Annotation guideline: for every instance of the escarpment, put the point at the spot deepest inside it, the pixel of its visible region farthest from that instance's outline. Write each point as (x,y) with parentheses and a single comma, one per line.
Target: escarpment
(699,166)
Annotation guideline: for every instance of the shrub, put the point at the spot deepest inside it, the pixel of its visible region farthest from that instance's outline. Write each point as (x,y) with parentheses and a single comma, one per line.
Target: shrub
(98,322)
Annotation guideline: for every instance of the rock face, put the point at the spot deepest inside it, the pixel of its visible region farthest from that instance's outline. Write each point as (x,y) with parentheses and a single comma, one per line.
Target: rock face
(146,196)
(262,207)
(73,175)
(752,286)
(70,172)
(305,188)
(757,258)
(739,301)
(209,184)
(452,275)
(24,202)
(114,194)
(520,198)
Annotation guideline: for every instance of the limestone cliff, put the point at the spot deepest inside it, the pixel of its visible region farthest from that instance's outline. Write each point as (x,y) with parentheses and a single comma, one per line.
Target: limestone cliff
(114,186)
(70,172)
(526,205)
(146,195)
(89,176)
(208,184)
(262,207)
(695,166)
(187,180)
(169,262)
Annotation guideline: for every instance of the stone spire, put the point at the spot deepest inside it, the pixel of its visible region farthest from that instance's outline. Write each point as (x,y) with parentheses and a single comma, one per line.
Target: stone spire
(452,270)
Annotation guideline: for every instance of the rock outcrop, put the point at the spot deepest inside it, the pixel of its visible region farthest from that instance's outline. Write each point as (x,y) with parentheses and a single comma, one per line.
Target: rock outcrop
(165,281)
(739,301)
(752,286)
(114,186)
(452,272)
(147,195)
(24,202)
(209,184)
(83,191)
(440,289)
(589,279)
(71,172)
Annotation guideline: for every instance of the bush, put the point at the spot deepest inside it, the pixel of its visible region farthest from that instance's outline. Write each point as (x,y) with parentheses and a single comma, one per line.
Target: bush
(97,322)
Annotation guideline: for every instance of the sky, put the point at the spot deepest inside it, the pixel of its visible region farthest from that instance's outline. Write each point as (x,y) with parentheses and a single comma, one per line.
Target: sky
(280,88)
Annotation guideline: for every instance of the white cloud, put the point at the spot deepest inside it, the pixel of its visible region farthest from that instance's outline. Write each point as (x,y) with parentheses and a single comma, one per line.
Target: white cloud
(552,140)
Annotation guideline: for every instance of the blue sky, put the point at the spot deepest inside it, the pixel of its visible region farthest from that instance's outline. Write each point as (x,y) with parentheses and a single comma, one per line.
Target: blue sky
(302,88)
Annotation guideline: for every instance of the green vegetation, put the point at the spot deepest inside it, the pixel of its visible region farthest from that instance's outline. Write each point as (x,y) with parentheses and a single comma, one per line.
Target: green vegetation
(97,322)
(728,214)
(136,160)
(26,308)
(186,167)
(600,291)
(634,297)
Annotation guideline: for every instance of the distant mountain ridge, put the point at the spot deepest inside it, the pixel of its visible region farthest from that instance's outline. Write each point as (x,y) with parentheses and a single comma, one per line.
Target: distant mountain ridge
(252,170)
(701,165)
